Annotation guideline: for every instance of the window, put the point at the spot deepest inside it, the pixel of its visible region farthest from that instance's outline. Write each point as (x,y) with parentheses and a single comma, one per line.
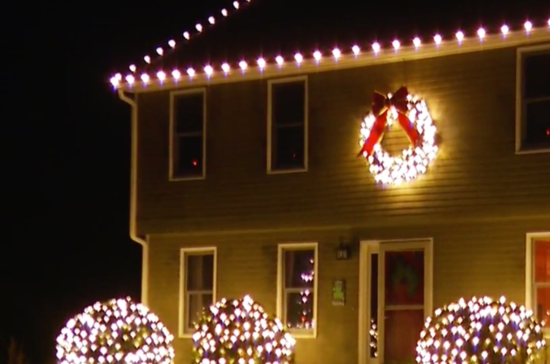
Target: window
(395,298)
(187,134)
(533,104)
(538,275)
(287,125)
(197,285)
(297,288)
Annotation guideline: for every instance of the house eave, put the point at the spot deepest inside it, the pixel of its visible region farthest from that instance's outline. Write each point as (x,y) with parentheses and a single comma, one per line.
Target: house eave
(345,61)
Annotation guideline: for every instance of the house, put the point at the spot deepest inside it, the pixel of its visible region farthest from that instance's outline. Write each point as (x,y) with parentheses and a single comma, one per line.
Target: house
(246,180)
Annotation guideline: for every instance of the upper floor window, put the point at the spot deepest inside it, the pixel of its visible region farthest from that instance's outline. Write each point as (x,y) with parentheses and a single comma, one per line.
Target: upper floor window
(533,114)
(287,125)
(187,134)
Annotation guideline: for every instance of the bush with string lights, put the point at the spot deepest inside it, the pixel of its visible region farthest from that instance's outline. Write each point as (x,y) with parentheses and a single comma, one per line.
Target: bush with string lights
(241,332)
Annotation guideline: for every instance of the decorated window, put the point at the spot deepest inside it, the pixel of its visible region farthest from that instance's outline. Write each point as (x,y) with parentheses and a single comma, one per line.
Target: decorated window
(197,286)
(398,296)
(187,144)
(287,125)
(541,277)
(297,293)
(533,129)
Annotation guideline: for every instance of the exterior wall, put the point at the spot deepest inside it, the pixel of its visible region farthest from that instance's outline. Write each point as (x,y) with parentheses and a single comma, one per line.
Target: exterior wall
(476,174)
(469,258)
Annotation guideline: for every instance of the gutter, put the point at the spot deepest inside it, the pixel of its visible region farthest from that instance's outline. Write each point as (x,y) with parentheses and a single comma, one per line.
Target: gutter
(133,198)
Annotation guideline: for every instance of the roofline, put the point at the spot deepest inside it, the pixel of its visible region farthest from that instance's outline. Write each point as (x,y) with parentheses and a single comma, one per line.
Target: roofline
(344,61)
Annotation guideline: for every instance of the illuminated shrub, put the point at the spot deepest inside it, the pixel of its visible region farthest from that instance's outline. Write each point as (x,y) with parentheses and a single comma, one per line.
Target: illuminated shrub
(240,332)
(114,332)
(373,334)
(480,331)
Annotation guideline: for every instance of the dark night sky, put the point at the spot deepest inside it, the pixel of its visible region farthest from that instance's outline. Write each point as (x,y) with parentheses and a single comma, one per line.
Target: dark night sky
(67,133)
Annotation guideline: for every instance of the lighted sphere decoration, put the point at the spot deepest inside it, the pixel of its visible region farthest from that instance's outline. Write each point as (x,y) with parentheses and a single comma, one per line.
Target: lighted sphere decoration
(241,332)
(480,331)
(117,331)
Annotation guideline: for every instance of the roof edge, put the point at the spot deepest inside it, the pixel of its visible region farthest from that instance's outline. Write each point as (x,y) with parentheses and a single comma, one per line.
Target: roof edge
(337,61)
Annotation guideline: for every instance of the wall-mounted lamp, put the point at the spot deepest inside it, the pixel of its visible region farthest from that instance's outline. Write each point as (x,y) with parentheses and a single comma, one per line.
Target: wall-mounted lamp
(343,252)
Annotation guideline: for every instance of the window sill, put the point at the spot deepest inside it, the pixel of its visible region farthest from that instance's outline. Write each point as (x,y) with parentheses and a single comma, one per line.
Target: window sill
(287,171)
(303,334)
(533,151)
(186,335)
(190,178)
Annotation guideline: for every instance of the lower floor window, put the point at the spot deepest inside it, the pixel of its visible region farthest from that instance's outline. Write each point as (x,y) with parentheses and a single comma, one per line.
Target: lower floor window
(540,248)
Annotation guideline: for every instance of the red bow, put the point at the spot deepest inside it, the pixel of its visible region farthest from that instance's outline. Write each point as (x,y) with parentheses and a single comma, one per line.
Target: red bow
(381,106)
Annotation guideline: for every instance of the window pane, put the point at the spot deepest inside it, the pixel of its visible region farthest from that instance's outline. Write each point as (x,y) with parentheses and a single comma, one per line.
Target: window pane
(537,77)
(288,102)
(404,278)
(189,156)
(538,123)
(195,306)
(288,147)
(401,332)
(188,112)
(200,272)
(542,261)
(299,309)
(299,268)
(373,329)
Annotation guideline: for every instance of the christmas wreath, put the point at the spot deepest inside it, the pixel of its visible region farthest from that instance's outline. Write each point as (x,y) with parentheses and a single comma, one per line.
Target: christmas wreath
(414,118)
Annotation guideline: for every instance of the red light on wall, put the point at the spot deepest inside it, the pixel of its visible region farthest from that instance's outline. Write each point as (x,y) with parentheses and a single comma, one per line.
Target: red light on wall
(195,162)
(548,132)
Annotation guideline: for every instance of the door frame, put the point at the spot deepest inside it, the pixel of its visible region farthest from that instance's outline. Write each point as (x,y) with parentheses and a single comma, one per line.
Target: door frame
(367,248)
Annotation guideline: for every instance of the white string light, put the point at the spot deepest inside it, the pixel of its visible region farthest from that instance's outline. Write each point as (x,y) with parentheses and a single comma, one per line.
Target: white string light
(337,53)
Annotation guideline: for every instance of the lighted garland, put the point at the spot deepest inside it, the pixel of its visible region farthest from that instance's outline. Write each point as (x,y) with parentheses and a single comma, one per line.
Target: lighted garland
(114,332)
(414,118)
(480,331)
(373,334)
(240,332)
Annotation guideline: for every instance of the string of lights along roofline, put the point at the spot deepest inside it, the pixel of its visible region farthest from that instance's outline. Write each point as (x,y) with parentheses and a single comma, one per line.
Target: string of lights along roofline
(261,63)
(188,35)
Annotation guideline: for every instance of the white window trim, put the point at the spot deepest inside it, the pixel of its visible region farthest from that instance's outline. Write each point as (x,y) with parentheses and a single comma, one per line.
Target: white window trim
(270,84)
(311,334)
(172,136)
(529,266)
(367,248)
(520,53)
(182,332)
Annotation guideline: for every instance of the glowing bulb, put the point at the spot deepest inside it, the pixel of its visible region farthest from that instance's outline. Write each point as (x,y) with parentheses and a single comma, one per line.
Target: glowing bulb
(161,76)
(130,79)
(211,20)
(504,29)
(225,67)
(186,35)
(114,81)
(459,36)
(299,58)
(396,44)
(528,26)
(437,39)
(280,60)
(355,49)
(224,12)
(198,27)
(208,70)
(172,43)
(261,62)
(147,59)
(481,33)
(376,47)
(317,55)
(236,4)
(132,67)
(336,53)
(417,42)
(145,78)
(243,65)
(176,74)
(160,51)
(191,72)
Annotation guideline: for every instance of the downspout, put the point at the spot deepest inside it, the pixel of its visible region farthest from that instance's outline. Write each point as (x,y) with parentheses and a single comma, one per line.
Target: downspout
(133,198)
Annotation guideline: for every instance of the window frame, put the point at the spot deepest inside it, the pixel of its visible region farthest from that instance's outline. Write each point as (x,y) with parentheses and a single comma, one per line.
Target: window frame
(172,176)
(270,83)
(367,249)
(281,294)
(183,331)
(530,283)
(521,53)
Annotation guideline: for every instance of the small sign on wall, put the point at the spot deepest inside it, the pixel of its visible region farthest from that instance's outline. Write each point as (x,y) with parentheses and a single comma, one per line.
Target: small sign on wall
(339,292)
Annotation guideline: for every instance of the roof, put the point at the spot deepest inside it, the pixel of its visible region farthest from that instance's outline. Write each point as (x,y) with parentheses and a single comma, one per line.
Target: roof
(270,39)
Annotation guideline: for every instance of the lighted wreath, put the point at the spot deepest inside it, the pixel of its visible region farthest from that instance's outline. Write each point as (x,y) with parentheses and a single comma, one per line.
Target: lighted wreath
(412,114)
